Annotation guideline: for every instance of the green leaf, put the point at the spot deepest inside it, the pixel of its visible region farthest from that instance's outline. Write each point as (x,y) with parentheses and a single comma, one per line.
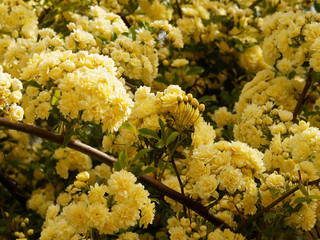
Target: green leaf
(301,200)
(314,196)
(163,80)
(226,97)
(148,133)
(175,78)
(122,161)
(31,83)
(219,18)
(163,132)
(55,97)
(137,169)
(303,189)
(67,137)
(149,170)
(133,33)
(141,153)
(160,144)
(172,137)
(316,6)
(126,125)
(114,36)
(207,98)
(196,70)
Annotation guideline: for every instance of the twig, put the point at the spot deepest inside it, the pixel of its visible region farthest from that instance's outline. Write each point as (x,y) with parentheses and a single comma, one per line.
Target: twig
(302,96)
(180,183)
(125,20)
(179,9)
(133,87)
(103,157)
(266,209)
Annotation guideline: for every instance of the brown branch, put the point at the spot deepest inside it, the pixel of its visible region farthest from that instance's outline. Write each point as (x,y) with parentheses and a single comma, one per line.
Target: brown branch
(103,157)
(273,204)
(302,96)
(133,87)
(125,20)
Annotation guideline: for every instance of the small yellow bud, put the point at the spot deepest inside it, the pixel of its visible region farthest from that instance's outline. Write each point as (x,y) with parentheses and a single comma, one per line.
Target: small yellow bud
(193,225)
(190,97)
(165,63)
(185,98)
(195,103)
(202,107)
(26,220)
(203,228)
(30,231)
(196,235)
(79,184)
(23,224)
(83,176)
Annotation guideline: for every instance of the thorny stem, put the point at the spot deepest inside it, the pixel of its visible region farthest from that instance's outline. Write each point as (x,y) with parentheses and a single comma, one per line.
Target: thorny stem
(103,157)
(273,204)
(302,96)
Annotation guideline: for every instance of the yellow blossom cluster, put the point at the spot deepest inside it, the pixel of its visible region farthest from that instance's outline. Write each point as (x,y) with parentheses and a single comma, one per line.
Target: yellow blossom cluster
(20,36)
(308,215)
(224,166)
(295,152)
(222,117)
(172,105)
(266,87)
(291,39)
(70,160)
(82,86)
(135,54)
(156,10)
(259,123)
(87,32)
(10,96)
(17,18)
(120,204)
(41,199)
(186,228)
(17,148)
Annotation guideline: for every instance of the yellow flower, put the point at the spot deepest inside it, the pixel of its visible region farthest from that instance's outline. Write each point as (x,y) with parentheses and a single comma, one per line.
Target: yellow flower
(147,214)
(77,216)
(121,183)
(96,194)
